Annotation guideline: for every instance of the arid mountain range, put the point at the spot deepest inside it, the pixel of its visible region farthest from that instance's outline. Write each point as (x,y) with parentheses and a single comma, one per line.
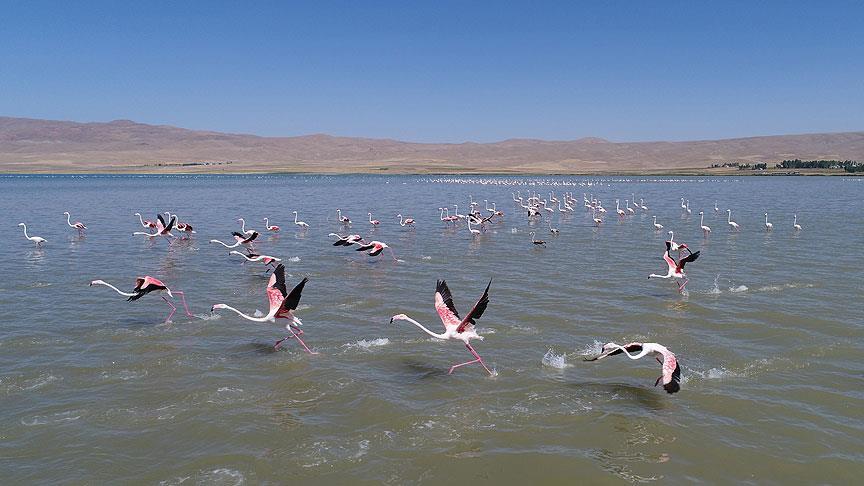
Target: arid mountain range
(122,146)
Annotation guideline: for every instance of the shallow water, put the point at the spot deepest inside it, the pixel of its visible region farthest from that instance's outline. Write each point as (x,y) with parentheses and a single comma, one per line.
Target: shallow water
(97,389)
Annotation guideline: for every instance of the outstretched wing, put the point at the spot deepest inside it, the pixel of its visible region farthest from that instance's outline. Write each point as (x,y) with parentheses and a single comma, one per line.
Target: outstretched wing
(251,237)
(277,280)
(365,247)
(444,305)
(161,221)
(171,223)
(689,258)
(669,260)
(238,234)
(291,301)
(478,309)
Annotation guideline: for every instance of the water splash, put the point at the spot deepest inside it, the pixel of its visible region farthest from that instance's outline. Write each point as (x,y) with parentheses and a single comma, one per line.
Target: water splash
(552,360)
(294,259)
(364,344)
(738,289)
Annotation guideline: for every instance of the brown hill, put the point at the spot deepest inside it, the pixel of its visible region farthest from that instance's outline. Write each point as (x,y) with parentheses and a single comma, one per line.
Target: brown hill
(28,145)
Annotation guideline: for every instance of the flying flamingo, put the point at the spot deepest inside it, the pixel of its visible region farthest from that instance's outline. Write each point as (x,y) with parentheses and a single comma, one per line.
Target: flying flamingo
(35,239)
(373,222)
(406,221)
(768,226)
(145,223)
(795,225)
(243,227)
(282,306)
(706,230)
(78,225)
(161,228)
(240,239)
(657,226)
(454,326)
(273,228)
(254,257)
(143,286)
(535,241)
(375,248)
(301,224)
(676,269)
(732,224)
(346,240)
(671,377)
(342,219)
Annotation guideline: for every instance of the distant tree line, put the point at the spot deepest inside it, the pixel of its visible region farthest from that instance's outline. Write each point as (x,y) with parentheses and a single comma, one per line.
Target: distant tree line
(847,165)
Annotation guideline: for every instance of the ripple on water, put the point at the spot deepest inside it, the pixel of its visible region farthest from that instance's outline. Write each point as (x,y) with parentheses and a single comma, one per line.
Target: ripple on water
(53,419)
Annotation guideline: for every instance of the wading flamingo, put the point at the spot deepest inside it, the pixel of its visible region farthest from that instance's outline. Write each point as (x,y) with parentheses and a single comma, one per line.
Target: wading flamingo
(342,219)
(657,226)
(78,225)
(301,224)
(671,377)
(161,228)
(373,222)
(454,326)
(618,209)
(676,269)
(768,226)
(143,286)
(243,227)
(706,230)
(552,230)
(35,239)
(282,306)
(270,227)
(145,223)
(535,241)
(405,221)
(732,224)
(795,225)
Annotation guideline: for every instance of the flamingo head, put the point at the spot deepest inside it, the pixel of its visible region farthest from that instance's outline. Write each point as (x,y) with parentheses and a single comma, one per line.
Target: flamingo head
(97,282)
(217,306)
(21,224)
(66,213)
(398,317)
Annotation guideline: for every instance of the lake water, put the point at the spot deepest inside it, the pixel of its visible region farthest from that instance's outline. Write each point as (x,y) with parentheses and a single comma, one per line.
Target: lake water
(96,389)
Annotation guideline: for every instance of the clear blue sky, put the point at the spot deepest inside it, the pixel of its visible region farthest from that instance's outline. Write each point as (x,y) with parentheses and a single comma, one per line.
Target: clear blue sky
(441,71)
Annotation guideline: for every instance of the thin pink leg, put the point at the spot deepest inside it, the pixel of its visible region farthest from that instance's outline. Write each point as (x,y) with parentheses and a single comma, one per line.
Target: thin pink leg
(477,360)
(173,309)
(681,286)
(301,341)
(183,299)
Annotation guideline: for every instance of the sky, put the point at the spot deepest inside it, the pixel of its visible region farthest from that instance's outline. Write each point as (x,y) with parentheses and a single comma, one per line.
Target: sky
(441,71)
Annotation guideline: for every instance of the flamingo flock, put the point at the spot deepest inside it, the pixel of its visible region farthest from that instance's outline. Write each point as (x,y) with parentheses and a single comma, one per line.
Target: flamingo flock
(539,211)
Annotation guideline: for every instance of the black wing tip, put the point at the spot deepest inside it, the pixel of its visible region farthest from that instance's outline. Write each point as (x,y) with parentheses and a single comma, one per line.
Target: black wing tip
(674,386)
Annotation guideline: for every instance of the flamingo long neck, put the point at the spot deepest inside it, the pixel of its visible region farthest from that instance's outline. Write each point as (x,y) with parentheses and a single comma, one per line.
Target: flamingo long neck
(427,331)
(267,222)
(242,225)
(795,221)
(645,350)
(141,219)
(729,216)
(295,217)
(671,237)
(124,294)
(268,317)
(701,220)
(69,220)
(766,218)
(235,245)
(25,231)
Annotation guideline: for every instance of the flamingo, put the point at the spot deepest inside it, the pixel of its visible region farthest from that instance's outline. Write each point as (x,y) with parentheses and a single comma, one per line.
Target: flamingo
(184,227)
(683,207)
(346,240)
(454,326)
(676,246)
(35,239)
(597,221)
(282,306)
(676,269)
(706,230)
(473,231)
(536,242)
(301,224)
(373,222)
(254,257)
(78,225)
(716,209)
(552,230)
(375,248)
(795,225)
(243,227)
(768,226)
(657,226)
(687,207)
(457,215)
(162,229)
(627,205)
(406,221)
(342,219)
(143,286)
(269,227)
(732,224)
(240,239)
(145,223)
(671,377)
(618,209)
(642,204)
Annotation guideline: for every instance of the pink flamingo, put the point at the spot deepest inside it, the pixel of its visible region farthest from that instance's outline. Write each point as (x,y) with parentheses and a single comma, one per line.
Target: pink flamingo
(406,221)
(180,226)
(240,239)
(270,227)
(346,240)
(282,306)
(375,248)
(454,326)
(342,219)
(143,286)
(671,372)
(78,225)
(254,257)
(145,223)
(373,222)
(676,269)
(301,224)
(161,228)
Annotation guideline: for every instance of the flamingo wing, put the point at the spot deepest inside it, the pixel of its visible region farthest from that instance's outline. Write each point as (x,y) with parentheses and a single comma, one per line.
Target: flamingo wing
(444,305)
(171,224)
(476,311)
(377,251)
(669,260)
(251,237)
(689,258)
(365,247)
(671,377)
(291,301)
(277,280)
(161,220)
